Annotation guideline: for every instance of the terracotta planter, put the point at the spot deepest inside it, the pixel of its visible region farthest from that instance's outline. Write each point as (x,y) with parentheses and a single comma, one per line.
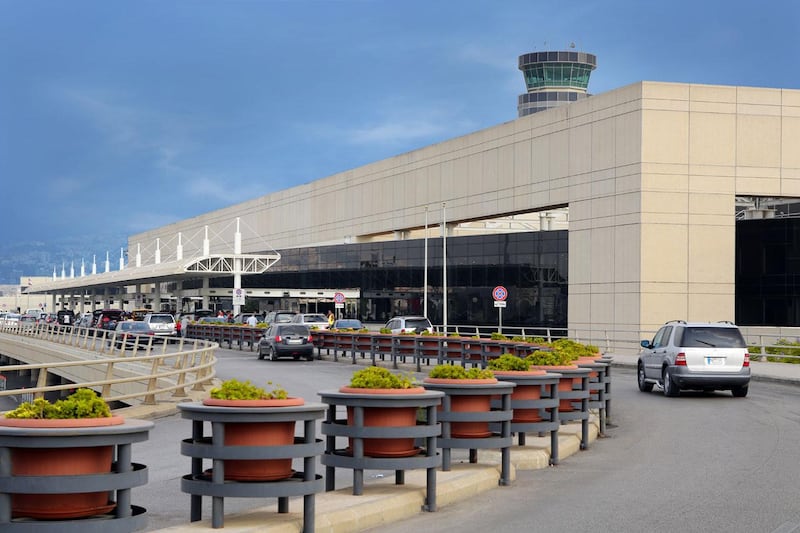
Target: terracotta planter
(429,346)
(406,345)
(258,434)
(63,462)
(478,403)
(564,384)
(523,392)
(386,417)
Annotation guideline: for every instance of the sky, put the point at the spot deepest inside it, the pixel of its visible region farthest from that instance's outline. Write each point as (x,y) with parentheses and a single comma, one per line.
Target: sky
(121,116)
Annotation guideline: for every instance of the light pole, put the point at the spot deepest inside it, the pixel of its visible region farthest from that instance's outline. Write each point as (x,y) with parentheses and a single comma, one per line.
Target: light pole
(425,274)
(444,266)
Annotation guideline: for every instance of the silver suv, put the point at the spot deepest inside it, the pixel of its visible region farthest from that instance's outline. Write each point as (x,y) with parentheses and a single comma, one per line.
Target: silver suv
(697,356)
(161,324)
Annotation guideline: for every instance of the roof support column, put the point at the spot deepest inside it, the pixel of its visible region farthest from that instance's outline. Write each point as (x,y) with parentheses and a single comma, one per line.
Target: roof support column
(237,265)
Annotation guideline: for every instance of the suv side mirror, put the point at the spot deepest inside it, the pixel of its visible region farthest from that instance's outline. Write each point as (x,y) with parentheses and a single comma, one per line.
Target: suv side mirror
(646,344)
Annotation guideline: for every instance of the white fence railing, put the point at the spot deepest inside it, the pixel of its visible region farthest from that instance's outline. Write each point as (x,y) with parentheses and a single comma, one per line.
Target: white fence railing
(133,370)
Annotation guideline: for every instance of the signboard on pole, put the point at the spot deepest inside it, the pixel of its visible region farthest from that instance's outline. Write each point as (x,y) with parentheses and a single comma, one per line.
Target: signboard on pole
(239,296)
(500,294)
(338,300)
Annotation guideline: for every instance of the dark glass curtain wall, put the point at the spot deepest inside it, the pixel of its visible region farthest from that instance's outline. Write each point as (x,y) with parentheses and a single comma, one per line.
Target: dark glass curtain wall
(768,272)
(532,266)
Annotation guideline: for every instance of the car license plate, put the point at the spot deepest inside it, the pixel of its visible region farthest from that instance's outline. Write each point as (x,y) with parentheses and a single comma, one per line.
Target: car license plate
(715,361)
(294,341)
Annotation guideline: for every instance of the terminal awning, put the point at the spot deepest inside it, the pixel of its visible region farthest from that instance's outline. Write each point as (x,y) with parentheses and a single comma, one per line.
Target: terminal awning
(203,266)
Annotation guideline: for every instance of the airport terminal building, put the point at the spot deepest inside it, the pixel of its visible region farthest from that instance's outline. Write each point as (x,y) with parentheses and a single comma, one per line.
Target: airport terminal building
(607,216)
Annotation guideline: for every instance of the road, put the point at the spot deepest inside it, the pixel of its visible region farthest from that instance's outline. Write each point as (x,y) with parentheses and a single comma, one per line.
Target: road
(698,463)
(707,463)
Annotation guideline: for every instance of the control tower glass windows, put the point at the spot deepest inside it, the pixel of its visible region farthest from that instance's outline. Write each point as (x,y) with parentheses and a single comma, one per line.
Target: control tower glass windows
(557,75)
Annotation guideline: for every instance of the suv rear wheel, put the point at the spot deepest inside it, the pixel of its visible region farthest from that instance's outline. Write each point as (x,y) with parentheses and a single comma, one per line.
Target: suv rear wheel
(644,386)
(670,389)
(739,392)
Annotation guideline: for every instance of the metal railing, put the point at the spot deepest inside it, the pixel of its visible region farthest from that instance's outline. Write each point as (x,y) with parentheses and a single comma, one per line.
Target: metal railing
(133,369)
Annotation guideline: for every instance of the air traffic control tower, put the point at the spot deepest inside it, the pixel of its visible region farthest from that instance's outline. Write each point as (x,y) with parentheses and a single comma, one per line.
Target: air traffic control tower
(554,79)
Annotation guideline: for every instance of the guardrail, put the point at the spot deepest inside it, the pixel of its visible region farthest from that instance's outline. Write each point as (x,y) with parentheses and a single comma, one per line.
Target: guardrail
(147,371)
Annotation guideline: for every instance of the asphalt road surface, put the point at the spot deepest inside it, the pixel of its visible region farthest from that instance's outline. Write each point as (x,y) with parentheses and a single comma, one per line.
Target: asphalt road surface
(705,463)
(698,463)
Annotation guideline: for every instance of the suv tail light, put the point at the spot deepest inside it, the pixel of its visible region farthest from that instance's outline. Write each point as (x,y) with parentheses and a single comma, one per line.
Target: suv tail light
(278,338)
(680,359)
(746,360)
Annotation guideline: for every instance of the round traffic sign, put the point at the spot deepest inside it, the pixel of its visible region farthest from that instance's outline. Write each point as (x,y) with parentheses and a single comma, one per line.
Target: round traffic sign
(499,293)
(338,298)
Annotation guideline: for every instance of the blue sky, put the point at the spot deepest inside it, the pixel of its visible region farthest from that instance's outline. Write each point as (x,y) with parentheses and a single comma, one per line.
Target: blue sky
(120,116)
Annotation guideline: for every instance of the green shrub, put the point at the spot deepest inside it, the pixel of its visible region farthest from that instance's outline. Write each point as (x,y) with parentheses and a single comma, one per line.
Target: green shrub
(83,403)
(459,372)
(783,348)
(542,358)
(375,377)
(508,361)
(233,389)
(498,337)
(385,330)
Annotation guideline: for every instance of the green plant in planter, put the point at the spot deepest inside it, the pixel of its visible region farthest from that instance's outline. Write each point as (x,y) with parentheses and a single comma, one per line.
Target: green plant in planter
(83,403)
(375,377)
(364,330)
(233,389)
(385,330)
(459,372)
(498,337)
(574,349)
(542,358)
(454,335)
(509,361)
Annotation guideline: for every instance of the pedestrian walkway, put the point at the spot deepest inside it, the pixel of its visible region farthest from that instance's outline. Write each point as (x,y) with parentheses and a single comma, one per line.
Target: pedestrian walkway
(384,502)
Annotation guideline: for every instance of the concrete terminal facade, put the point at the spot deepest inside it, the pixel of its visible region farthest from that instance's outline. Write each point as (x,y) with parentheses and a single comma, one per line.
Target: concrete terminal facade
(650,173)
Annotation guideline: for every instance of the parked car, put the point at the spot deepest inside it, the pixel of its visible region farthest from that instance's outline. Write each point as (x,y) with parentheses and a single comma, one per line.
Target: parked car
(161,324)
(409,324)
(11,320)
(85,321)
(139,314)
(279,317)
(107,318)
(312,320)
(28,322)
(128,331)
(65,317)
(347,323)
(697,356)
(286,340)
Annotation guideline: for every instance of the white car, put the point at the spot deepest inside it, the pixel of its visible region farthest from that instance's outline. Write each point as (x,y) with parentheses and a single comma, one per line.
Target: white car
(161,324)
(697,356)
(409,324)
(312,320)
(11,320)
